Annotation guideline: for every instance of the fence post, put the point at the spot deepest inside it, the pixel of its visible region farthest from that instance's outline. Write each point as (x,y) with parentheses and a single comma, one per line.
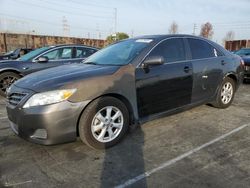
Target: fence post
(4,41)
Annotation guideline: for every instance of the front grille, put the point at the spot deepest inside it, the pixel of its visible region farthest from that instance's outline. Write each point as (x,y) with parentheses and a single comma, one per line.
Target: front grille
(15,98)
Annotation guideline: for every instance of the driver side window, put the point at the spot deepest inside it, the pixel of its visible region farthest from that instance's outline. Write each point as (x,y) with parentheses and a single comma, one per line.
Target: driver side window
(61,53)
(171,50)
(52,55)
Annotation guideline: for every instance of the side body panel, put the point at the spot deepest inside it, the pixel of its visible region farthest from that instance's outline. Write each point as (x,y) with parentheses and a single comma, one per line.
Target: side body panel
(163,88)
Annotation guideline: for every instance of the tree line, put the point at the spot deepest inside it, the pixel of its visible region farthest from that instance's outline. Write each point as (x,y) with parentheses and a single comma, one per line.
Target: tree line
(206,31)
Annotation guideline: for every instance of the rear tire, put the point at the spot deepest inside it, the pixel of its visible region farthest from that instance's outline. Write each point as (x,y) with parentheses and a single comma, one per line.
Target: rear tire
(104,123)
(225,94)
(6,80)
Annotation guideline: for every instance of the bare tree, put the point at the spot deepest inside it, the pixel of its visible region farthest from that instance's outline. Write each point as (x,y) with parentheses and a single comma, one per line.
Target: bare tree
(207,30)
(229,36)
(173,29)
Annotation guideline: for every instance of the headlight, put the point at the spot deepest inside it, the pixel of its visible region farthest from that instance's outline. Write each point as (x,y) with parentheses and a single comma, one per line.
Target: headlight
(49,97)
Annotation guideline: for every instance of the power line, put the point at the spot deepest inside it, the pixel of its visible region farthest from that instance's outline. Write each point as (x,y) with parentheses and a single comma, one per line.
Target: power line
(92,4)
(58,10)
(76,7)
(50,23)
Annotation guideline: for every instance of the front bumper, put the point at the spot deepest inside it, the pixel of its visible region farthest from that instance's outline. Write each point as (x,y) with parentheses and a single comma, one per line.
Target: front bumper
(47,125)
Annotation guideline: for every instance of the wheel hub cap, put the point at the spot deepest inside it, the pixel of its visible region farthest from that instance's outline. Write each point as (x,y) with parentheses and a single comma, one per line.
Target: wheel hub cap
(107,124)
(226,93)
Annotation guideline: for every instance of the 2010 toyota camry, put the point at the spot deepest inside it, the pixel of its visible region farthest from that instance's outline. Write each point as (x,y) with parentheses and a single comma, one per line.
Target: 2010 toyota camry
(124,84)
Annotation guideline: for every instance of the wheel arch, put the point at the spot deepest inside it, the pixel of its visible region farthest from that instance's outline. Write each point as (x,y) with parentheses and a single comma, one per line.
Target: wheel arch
(11,70)
(234,77)
(115,95)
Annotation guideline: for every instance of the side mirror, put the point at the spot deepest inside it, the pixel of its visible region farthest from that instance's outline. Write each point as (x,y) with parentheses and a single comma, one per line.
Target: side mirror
(13,56)
(43,59)
(152,61)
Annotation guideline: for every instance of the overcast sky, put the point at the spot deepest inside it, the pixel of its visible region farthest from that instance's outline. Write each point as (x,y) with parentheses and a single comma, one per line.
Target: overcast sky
(96,18)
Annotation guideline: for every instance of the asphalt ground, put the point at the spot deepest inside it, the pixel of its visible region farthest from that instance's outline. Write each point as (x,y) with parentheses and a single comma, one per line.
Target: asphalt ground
(201,147)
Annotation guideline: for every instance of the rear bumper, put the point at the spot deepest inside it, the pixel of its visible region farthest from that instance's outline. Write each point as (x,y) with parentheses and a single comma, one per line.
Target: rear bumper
(47,125)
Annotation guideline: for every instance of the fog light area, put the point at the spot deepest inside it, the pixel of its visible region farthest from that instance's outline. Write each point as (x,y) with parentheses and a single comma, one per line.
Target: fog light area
(40,134)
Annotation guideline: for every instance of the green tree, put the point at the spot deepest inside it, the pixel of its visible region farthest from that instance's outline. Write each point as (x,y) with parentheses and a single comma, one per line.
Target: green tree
(116,37)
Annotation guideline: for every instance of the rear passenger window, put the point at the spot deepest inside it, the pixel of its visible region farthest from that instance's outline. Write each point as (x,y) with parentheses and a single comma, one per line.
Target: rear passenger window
(201,49)
(66,53)
(84,52)
(172,50)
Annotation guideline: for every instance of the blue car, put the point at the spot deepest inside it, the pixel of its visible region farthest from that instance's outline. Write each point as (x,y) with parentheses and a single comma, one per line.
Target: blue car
(245,55)
(39,59)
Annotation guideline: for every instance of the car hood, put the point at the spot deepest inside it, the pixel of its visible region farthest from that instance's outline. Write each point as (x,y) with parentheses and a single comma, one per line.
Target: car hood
(59,77)
(4,57)
(9,61)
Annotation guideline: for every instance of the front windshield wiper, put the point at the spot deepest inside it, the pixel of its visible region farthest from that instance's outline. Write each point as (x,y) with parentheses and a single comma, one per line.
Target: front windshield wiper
(91,63)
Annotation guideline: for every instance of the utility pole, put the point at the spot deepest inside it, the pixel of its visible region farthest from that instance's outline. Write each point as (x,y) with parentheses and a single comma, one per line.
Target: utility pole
(97,30)
(65,27)
(115,11)
(132,33)
(194,28)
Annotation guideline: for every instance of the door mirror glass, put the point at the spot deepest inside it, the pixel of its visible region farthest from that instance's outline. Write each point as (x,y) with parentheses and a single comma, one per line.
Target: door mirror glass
(13,56)
(43,59)
(153,60)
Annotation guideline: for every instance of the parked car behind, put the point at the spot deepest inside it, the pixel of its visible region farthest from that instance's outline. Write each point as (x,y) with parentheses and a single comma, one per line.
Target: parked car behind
(246,60)
(127,83)
(243,52)
(14,54)
(39,59)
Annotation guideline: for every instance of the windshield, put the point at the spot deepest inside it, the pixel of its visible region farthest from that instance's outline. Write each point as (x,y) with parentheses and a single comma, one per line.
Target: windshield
(120,53)
(33,54)
(243,52)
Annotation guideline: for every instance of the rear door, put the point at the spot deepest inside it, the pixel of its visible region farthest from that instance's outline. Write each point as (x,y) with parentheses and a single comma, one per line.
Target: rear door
(168,86)
(207,69)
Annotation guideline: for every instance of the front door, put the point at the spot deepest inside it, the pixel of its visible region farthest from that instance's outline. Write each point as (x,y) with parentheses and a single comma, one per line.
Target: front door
(167,86)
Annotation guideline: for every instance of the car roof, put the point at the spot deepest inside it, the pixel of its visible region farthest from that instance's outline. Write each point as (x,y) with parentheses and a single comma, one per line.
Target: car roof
(71,45)
(167,36)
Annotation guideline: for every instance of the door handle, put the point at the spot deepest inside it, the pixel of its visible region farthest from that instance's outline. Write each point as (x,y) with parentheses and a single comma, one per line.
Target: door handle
(25,68)
(187,69)
(223,62)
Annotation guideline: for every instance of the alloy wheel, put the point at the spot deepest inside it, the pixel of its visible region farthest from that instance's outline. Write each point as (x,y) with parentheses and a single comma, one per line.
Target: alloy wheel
(227,93)
(6,82)
(107,124)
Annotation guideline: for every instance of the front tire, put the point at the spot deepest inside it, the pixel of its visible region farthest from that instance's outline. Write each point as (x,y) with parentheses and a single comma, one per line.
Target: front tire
(104,123)
(6,80)
(225,94)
